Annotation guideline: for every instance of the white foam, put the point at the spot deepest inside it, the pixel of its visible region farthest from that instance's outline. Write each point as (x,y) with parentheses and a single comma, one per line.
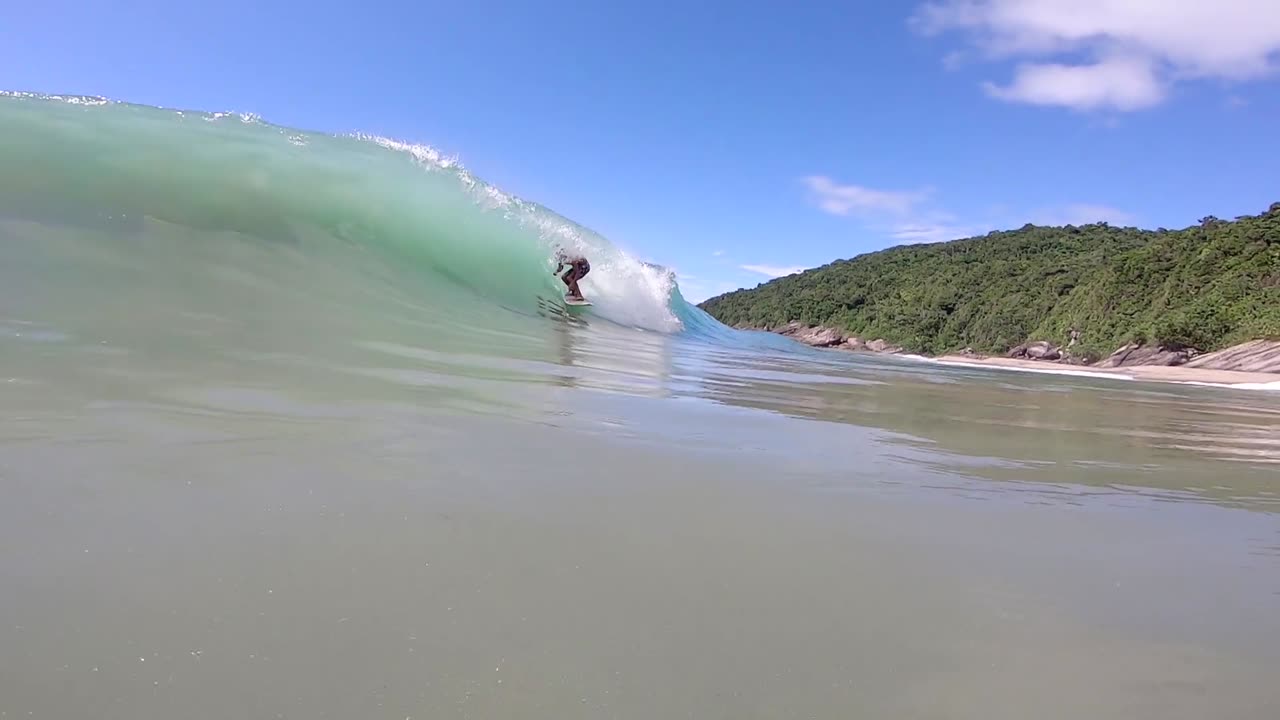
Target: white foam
(422,153)
(91,100)
(628,292)
(244,117)
(1267,386)
(1044,371)
(1271,386)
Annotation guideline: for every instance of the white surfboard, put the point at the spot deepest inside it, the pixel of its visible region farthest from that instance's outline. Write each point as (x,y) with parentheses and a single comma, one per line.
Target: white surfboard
(576,302)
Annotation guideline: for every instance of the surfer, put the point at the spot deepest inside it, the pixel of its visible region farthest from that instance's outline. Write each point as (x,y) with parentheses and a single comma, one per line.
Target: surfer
(578,268)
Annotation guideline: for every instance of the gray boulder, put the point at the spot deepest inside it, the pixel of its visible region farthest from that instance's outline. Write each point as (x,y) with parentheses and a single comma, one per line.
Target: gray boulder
(1039,350)
(881,346)
(816,336)
(1159,354)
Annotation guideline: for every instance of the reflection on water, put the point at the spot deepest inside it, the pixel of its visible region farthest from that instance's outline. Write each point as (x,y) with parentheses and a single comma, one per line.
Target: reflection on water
(1053,430)
(1193,443)
(1044,429)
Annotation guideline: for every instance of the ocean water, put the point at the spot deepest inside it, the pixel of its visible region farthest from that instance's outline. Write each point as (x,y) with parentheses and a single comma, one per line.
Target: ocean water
(295,425)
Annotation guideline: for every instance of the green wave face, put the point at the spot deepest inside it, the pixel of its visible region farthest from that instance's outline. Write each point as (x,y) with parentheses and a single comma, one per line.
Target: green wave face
(464,246)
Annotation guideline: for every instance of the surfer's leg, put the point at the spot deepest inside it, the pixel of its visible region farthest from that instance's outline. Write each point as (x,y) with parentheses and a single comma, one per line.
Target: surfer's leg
(580,270)
(571,279)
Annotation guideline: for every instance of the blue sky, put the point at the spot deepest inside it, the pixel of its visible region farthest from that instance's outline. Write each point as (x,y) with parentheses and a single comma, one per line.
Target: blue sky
(737,140)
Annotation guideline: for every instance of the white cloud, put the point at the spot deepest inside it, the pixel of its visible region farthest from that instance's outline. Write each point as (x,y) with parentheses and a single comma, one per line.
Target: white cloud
(1120,54)
(839,199)
(1084,214)
(904,215)
(910,218)
(772,271)
(718,253)
(925,232)
(1123,84)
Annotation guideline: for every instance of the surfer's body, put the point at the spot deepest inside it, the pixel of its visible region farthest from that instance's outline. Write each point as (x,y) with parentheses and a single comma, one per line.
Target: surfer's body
(578,268)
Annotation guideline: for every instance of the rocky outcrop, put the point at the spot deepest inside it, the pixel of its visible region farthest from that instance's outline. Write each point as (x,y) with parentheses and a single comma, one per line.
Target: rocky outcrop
(1255,356)
(1262,356)
(822,336)
(816,336)
(1158,354)
(881,346)
(1039,350)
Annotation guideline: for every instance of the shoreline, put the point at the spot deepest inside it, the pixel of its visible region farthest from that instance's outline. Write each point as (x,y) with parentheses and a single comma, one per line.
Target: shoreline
(1177,374)
(1199,371)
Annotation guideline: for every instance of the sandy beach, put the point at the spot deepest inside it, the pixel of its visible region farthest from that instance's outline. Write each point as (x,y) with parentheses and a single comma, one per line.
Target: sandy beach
(1150,373)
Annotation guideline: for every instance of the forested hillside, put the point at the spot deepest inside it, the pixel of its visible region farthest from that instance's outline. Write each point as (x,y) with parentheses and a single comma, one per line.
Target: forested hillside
(1206,286)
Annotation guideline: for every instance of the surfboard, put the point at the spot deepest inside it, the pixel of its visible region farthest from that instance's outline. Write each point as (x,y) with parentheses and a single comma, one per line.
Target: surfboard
(574,302)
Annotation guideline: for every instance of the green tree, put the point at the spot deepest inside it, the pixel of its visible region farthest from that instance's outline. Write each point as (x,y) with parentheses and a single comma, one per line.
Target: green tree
(1206,286)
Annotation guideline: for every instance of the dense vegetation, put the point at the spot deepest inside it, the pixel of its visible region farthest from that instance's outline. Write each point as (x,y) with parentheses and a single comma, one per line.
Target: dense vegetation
(1207,287)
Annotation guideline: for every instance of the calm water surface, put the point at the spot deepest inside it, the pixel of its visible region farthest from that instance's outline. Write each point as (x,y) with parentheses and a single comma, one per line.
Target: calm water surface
(612,523)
